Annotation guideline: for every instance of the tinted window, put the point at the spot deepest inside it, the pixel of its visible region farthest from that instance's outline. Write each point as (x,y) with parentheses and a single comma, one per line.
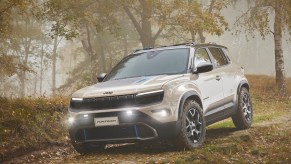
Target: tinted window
(201,56)
(163,62)
(226,53)
(219,58)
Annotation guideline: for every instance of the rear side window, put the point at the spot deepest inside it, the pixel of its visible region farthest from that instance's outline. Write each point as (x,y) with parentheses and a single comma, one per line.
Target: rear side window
(201,56)
(219,58)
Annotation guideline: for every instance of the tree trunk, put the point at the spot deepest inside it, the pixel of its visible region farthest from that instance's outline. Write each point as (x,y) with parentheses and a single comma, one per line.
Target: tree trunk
(102,60)
(279,59)
(146,35)
(193,36)
(125,44)
(144,28)
(35,84)
(22,78)
(41,66)
(54,60)
(201,36)
(27,43)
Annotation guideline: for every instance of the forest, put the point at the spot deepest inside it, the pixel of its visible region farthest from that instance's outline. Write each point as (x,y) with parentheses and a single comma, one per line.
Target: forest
(51,48)
(55,47)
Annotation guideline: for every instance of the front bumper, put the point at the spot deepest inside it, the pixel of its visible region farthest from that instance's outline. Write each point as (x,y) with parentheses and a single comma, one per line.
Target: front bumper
(135,127)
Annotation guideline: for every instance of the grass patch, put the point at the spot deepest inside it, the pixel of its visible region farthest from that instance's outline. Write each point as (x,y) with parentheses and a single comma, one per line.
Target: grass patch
(223,124)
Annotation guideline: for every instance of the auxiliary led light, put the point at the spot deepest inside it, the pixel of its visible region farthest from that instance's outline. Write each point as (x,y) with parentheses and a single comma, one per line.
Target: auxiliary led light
(161,113)
(129,112)
(71,120)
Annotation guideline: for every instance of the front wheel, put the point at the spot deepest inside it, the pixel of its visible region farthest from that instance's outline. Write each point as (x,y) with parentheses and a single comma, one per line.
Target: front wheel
(244,115)
(193,128)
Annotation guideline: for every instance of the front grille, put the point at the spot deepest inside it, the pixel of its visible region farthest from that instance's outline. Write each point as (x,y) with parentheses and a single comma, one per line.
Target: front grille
(115,133)
(112,102)
(109,102)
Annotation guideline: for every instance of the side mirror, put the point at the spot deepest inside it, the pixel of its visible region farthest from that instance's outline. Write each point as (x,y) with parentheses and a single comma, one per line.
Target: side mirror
(203,67)
(101,77)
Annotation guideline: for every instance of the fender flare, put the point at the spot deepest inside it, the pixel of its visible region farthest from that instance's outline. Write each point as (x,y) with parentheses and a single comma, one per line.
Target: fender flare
(185,96)
(241,84)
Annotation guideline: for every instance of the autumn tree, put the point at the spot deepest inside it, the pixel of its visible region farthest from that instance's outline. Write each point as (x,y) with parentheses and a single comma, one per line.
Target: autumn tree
(197,18)
(19,33)
(9,9)
(145,15)
(257,19)
(96,25)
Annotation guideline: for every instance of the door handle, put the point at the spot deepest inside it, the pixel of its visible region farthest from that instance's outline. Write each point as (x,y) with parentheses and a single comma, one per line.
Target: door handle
(218,77)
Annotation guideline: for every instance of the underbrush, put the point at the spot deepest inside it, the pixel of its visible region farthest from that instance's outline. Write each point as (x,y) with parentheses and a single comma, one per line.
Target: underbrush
(266,102)
(31,123)
(265,86)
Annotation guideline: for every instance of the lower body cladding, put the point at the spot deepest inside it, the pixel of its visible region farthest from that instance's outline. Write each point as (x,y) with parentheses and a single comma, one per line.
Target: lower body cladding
(118,127)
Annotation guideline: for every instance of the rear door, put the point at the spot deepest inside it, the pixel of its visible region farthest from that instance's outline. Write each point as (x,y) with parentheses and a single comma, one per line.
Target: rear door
(222,64)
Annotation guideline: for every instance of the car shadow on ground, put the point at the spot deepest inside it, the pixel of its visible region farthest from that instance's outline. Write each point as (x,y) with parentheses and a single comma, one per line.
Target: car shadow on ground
(219,132)
(156,147)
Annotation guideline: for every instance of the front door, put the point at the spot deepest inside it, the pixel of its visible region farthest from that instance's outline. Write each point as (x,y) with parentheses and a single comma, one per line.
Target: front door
(210,85)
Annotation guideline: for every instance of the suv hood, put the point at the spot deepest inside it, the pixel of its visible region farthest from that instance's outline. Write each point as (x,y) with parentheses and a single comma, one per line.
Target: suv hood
(125,86)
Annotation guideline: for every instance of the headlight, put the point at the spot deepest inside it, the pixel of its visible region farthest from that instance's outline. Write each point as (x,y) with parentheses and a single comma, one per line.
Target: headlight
(77,99)
(76,102)
(148,98)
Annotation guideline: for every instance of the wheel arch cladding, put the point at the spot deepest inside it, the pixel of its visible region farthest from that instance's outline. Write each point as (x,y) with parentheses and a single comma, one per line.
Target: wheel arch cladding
(190,95)
(242,84)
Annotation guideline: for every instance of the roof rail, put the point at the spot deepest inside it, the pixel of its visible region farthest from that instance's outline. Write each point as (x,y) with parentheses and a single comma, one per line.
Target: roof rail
(181,44)
(139,49)
(212,43)
(192,43)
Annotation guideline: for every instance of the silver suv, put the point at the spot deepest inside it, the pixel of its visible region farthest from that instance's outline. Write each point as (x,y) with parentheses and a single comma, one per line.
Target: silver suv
(170,92)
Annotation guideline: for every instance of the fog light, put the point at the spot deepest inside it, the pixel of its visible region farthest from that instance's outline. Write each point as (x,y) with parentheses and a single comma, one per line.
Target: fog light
(129,112)
(71,120)
(161,112)
(85,115)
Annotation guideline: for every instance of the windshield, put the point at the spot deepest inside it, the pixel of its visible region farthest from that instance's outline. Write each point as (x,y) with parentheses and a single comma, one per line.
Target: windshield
(162,62)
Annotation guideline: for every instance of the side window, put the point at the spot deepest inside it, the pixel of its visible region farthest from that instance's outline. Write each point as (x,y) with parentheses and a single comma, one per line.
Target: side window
(201,56)
(226,53)
(219,58)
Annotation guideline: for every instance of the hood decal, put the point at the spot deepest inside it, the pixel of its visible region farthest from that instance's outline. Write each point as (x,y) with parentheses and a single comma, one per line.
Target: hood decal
(142,80)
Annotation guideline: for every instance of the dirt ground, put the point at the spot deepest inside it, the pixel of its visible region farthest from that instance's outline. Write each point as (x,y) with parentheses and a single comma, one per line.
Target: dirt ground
(267,141)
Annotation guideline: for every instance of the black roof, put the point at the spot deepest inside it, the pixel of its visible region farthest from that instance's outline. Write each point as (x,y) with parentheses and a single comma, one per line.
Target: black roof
(190,44)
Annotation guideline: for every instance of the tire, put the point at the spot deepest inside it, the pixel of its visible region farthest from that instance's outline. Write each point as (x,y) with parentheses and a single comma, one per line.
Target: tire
(244,115)
(85,148)
(193,127)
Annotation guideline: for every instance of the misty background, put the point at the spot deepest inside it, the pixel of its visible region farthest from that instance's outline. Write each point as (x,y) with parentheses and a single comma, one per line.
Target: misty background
(65,55)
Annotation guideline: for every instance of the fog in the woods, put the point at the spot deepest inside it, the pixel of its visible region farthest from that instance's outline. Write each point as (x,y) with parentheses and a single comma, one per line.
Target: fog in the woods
(69,61)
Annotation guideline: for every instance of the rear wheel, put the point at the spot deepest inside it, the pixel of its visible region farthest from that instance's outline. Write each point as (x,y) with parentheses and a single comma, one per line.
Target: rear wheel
(244,115)
(192,132)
